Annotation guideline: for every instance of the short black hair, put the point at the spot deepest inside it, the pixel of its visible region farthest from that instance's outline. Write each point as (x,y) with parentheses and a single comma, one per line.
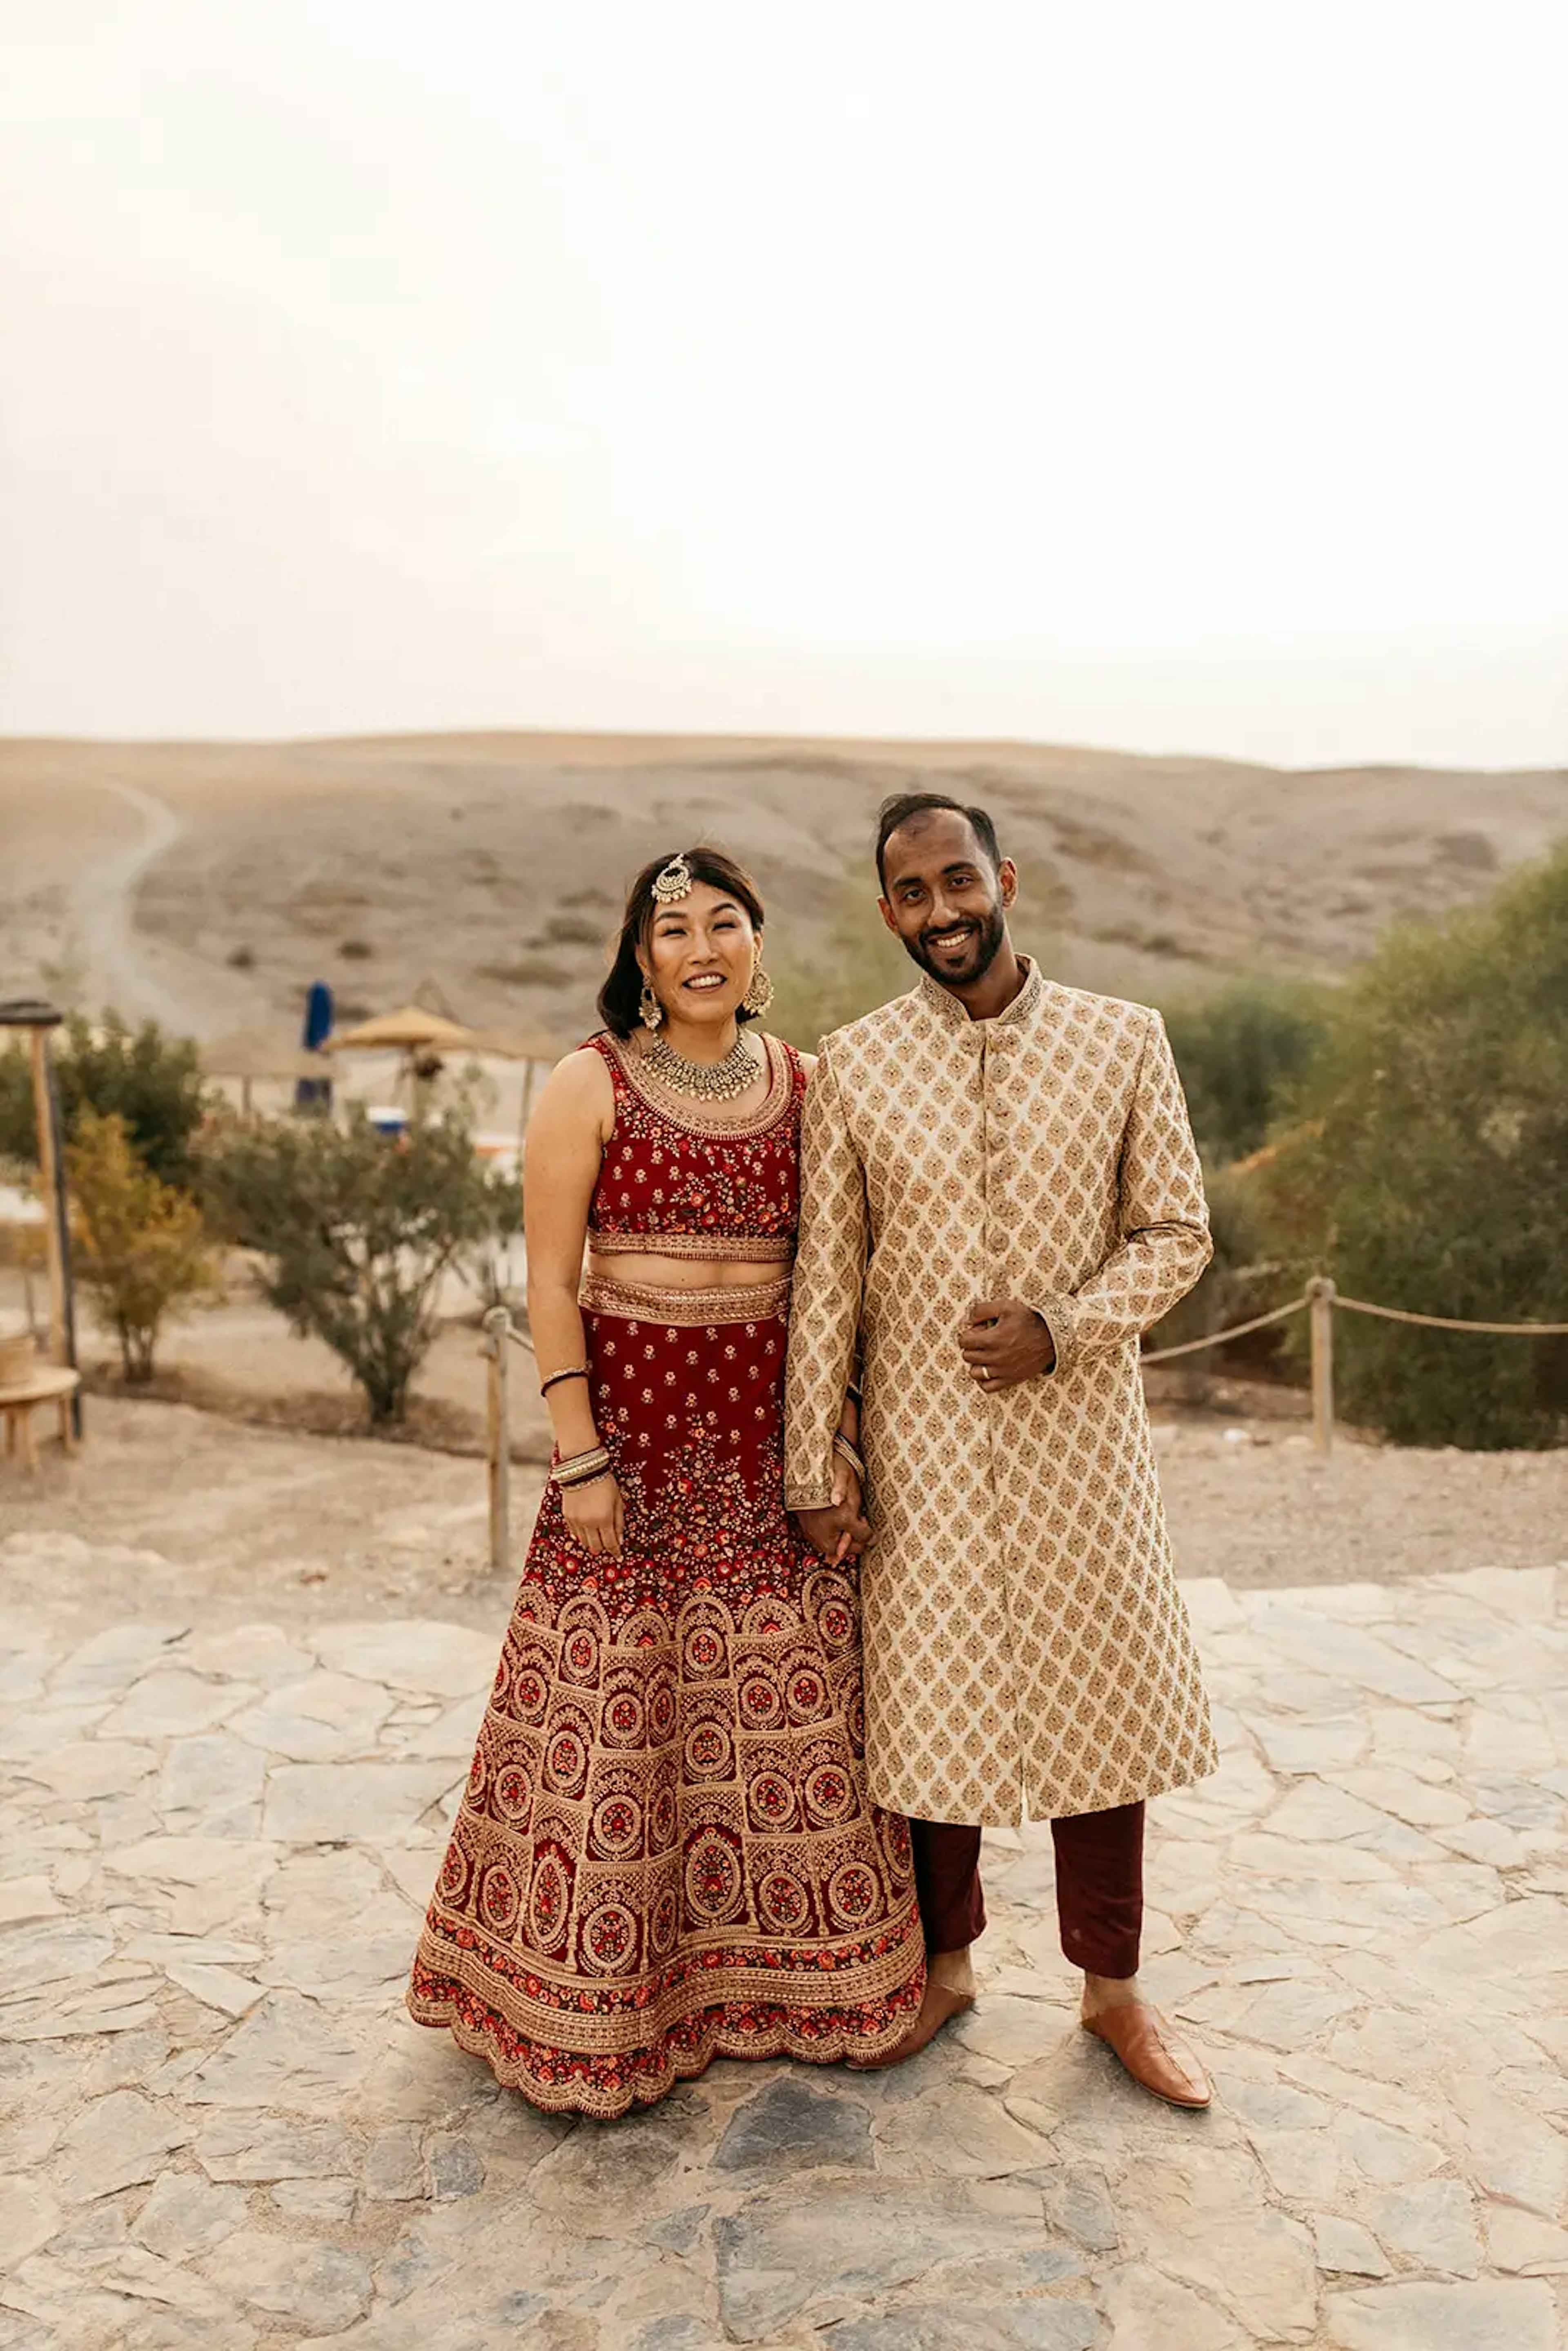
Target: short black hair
(906,806)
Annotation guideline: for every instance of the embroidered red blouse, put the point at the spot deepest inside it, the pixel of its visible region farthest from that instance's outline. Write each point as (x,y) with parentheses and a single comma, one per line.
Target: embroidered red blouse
(692,1183)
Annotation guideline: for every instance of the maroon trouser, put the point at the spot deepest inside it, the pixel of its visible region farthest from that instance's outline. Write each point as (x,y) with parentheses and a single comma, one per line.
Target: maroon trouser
(1099,1886)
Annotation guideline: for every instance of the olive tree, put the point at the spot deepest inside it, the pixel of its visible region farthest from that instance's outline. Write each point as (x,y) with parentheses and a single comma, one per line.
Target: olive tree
(356,1229)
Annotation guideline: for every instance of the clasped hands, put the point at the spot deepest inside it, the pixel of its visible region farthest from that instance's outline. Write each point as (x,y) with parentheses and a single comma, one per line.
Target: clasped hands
(1002,1342)
(839,1530)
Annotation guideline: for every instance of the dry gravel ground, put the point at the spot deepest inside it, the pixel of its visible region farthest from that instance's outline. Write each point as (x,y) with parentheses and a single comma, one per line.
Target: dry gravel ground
(1253,1504)
(298,1529)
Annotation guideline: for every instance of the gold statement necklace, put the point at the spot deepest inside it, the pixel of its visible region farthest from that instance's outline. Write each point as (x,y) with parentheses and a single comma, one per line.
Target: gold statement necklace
(715,1081)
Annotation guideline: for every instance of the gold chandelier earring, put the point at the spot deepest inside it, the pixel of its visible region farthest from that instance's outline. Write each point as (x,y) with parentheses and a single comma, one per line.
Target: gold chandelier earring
(649,1006)
(759,993)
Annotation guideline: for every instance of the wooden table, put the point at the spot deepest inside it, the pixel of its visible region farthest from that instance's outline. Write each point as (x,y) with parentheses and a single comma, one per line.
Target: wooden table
(44,1386)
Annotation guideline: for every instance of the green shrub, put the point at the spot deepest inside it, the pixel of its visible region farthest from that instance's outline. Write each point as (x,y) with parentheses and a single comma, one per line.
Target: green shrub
(1238,1051)
(1242,1279)
(151,1081)
(142,1248)
(357,1230)
(1424,1163)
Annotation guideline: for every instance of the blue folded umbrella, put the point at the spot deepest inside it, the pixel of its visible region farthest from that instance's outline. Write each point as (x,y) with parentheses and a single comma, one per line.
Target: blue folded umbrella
(317,1016)
(315,1092)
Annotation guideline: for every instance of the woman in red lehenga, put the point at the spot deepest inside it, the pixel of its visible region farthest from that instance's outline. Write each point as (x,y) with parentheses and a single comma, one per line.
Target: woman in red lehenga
(665,1853)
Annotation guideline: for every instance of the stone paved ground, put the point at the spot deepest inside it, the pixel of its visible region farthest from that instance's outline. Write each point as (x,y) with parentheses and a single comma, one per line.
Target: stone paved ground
(217,2128)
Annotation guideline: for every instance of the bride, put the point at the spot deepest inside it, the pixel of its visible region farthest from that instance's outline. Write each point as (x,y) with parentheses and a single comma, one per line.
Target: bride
(665,1853)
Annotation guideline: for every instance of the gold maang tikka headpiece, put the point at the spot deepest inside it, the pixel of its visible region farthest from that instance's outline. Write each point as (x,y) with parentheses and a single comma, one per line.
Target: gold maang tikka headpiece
(672,881)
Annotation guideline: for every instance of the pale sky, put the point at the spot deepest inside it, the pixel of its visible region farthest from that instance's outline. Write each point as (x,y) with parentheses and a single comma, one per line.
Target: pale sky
(1178,377)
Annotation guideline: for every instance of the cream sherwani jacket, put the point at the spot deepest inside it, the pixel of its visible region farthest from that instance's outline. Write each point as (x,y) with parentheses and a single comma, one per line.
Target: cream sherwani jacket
(1026,1652)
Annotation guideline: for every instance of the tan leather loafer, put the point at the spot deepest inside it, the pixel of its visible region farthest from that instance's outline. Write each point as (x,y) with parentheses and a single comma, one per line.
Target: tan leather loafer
(1152,2053)
(938,2008)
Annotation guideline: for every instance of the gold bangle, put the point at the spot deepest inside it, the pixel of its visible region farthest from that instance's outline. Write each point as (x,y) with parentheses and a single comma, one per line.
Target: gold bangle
(577,1372)
(843,1447)
(579,1467)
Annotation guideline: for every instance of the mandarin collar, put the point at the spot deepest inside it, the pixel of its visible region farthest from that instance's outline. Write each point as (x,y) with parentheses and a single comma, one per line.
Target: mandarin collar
(952,1015)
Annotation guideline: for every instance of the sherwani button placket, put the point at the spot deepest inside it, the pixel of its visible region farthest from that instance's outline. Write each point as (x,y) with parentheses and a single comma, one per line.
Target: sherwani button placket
(993,1039)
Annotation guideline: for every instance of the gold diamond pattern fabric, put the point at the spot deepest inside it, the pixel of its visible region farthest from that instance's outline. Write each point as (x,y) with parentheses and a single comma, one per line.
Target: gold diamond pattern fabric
(1026,1646)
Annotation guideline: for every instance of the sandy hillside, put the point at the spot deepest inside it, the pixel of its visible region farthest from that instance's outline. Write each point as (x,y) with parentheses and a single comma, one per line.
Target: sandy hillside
(207,885)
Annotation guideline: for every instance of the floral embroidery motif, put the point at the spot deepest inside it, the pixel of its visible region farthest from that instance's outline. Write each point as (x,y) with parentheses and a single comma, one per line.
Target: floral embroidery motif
(665,1851)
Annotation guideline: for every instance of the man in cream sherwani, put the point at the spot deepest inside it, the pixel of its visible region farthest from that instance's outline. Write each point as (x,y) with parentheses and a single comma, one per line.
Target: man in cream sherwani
(1000,1194)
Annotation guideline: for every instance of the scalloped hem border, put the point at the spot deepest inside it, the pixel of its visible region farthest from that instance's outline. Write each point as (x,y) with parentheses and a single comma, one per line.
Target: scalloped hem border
(442,2016)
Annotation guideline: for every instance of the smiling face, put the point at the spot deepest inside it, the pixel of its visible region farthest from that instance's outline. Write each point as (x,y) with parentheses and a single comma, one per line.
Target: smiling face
(945,899)
(699,956)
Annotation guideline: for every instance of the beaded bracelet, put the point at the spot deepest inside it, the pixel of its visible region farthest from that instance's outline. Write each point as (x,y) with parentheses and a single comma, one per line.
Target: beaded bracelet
(578,1371)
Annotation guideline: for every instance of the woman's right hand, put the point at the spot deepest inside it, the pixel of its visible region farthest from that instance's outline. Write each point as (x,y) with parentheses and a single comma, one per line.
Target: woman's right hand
(594,1515)
(848,1501)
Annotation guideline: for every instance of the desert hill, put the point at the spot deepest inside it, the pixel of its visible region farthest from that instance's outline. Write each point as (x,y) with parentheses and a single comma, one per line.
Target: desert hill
(208,883)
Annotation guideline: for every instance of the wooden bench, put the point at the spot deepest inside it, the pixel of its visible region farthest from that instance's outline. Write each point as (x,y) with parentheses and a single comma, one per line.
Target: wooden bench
(46,1386)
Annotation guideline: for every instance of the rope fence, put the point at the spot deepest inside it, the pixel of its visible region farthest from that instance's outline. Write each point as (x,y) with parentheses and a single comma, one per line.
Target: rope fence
(1218,1338)
(1447,1322)
(1317,1301)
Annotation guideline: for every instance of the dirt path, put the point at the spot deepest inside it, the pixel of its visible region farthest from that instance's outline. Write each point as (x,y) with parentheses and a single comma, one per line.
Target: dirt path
(252,1523)
(102,912)
(267,1523)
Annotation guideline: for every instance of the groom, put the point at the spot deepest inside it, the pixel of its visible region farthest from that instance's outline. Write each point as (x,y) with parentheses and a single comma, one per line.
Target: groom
(1000,1194)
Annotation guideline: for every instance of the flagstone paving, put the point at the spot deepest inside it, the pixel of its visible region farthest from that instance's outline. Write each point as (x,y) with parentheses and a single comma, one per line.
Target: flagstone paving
(218,2128)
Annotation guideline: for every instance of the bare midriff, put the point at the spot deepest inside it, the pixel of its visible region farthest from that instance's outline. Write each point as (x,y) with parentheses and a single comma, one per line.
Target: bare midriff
(647,1269)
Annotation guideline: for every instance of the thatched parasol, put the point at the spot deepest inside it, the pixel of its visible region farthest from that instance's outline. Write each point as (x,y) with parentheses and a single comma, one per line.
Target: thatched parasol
(410,1029)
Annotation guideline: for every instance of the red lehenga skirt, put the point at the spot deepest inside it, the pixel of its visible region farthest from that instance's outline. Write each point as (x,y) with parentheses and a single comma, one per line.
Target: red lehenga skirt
(665,1853)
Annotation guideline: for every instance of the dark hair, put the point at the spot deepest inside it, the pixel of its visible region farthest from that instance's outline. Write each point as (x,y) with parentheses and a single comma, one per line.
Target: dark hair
(621,997)
(906,806)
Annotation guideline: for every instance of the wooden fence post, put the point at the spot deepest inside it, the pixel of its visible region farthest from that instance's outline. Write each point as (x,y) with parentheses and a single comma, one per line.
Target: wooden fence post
(48,1186)
(57,1217)
(498,1439)
(1320,1307)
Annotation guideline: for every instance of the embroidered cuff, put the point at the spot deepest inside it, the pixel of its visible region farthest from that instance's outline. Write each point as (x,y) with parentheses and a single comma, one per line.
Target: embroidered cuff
(1055,1311)
(808,1498)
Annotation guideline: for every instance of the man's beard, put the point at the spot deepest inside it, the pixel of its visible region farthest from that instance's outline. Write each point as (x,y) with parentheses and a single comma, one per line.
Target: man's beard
(990,931)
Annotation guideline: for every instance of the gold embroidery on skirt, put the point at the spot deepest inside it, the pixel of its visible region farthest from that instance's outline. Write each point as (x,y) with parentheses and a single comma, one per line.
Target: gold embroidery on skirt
(751,1301)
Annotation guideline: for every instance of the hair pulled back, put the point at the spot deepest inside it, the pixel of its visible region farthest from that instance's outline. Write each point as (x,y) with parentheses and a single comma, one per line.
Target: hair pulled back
(620,999)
